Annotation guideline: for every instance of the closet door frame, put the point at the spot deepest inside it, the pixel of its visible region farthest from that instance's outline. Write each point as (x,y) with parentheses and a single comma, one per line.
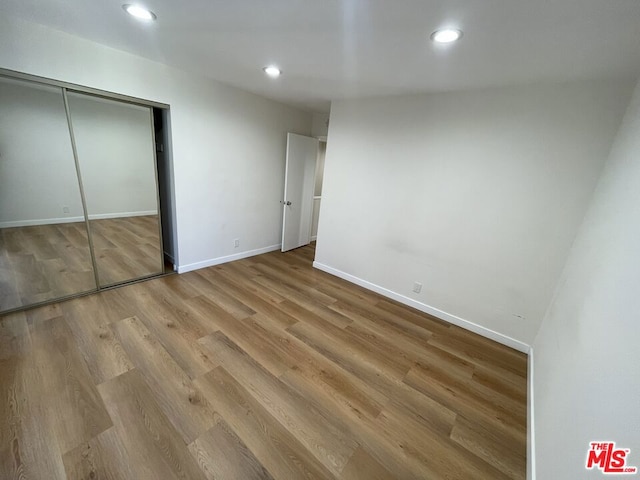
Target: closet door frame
(71,87)
(81,89)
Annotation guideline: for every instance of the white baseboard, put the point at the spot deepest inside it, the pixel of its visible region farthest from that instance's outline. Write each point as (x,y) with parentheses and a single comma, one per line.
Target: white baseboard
(103,216)
(55,221)
(44,221)
(423,307)
(531,424)
(314,238)
(229,258)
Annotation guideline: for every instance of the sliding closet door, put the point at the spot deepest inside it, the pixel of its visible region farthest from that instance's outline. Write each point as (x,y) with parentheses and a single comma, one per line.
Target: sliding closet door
(116,153)
(44,249)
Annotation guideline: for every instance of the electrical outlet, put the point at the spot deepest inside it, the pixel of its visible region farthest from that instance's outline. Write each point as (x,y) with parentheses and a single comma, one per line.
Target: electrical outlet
(65,209)
(236,243)
(417,286)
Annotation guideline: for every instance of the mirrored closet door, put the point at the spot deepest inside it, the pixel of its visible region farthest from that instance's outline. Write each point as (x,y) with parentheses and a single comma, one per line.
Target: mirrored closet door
(116,154)
(78,193)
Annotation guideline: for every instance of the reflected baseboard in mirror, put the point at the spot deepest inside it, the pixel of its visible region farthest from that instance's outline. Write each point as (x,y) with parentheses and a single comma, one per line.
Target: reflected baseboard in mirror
(126,248)
(44,262)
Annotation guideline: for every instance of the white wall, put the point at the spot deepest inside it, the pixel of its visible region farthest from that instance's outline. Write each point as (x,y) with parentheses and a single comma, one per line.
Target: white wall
(228,145)
(477,195)
(320,125)
(587,360)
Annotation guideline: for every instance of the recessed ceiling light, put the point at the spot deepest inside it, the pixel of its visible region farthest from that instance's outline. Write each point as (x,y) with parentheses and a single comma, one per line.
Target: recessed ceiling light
(447,35)
(139,12)
(272,71)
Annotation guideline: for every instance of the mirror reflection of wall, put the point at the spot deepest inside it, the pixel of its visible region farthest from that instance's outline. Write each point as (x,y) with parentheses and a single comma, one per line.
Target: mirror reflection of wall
(116,149)
(44,250)
(74,221)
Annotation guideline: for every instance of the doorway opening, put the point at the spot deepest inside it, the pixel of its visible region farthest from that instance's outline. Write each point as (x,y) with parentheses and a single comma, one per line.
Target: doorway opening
(302,190)
(317,192)
(166,193)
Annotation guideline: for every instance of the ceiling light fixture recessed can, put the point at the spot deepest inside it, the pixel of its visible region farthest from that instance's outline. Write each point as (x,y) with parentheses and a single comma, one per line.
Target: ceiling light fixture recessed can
(272,71)
(447,35)
(139,12)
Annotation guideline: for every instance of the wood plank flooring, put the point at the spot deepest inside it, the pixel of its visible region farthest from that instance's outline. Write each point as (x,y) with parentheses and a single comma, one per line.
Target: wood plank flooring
(264,368)
(45,262)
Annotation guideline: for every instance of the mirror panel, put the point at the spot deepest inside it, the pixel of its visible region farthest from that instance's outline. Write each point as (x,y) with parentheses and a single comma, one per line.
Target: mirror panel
(44,249)
(116,153)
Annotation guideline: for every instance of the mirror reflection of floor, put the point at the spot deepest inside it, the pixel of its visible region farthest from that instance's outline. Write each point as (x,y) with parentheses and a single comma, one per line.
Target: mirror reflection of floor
(40,263)
(126,248)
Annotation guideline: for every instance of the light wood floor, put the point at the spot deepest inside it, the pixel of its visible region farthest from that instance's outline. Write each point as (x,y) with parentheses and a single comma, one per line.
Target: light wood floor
(257,369)
(46,262)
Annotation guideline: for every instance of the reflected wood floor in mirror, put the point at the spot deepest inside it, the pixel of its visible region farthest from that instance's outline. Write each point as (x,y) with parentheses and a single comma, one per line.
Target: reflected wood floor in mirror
(45,262)
(257,369)
(126,248)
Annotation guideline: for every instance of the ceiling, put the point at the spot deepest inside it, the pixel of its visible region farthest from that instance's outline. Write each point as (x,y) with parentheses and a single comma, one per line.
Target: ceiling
(336,49)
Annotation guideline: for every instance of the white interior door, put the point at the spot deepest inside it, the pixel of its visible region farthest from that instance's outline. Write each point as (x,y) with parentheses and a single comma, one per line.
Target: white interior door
(302,154)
